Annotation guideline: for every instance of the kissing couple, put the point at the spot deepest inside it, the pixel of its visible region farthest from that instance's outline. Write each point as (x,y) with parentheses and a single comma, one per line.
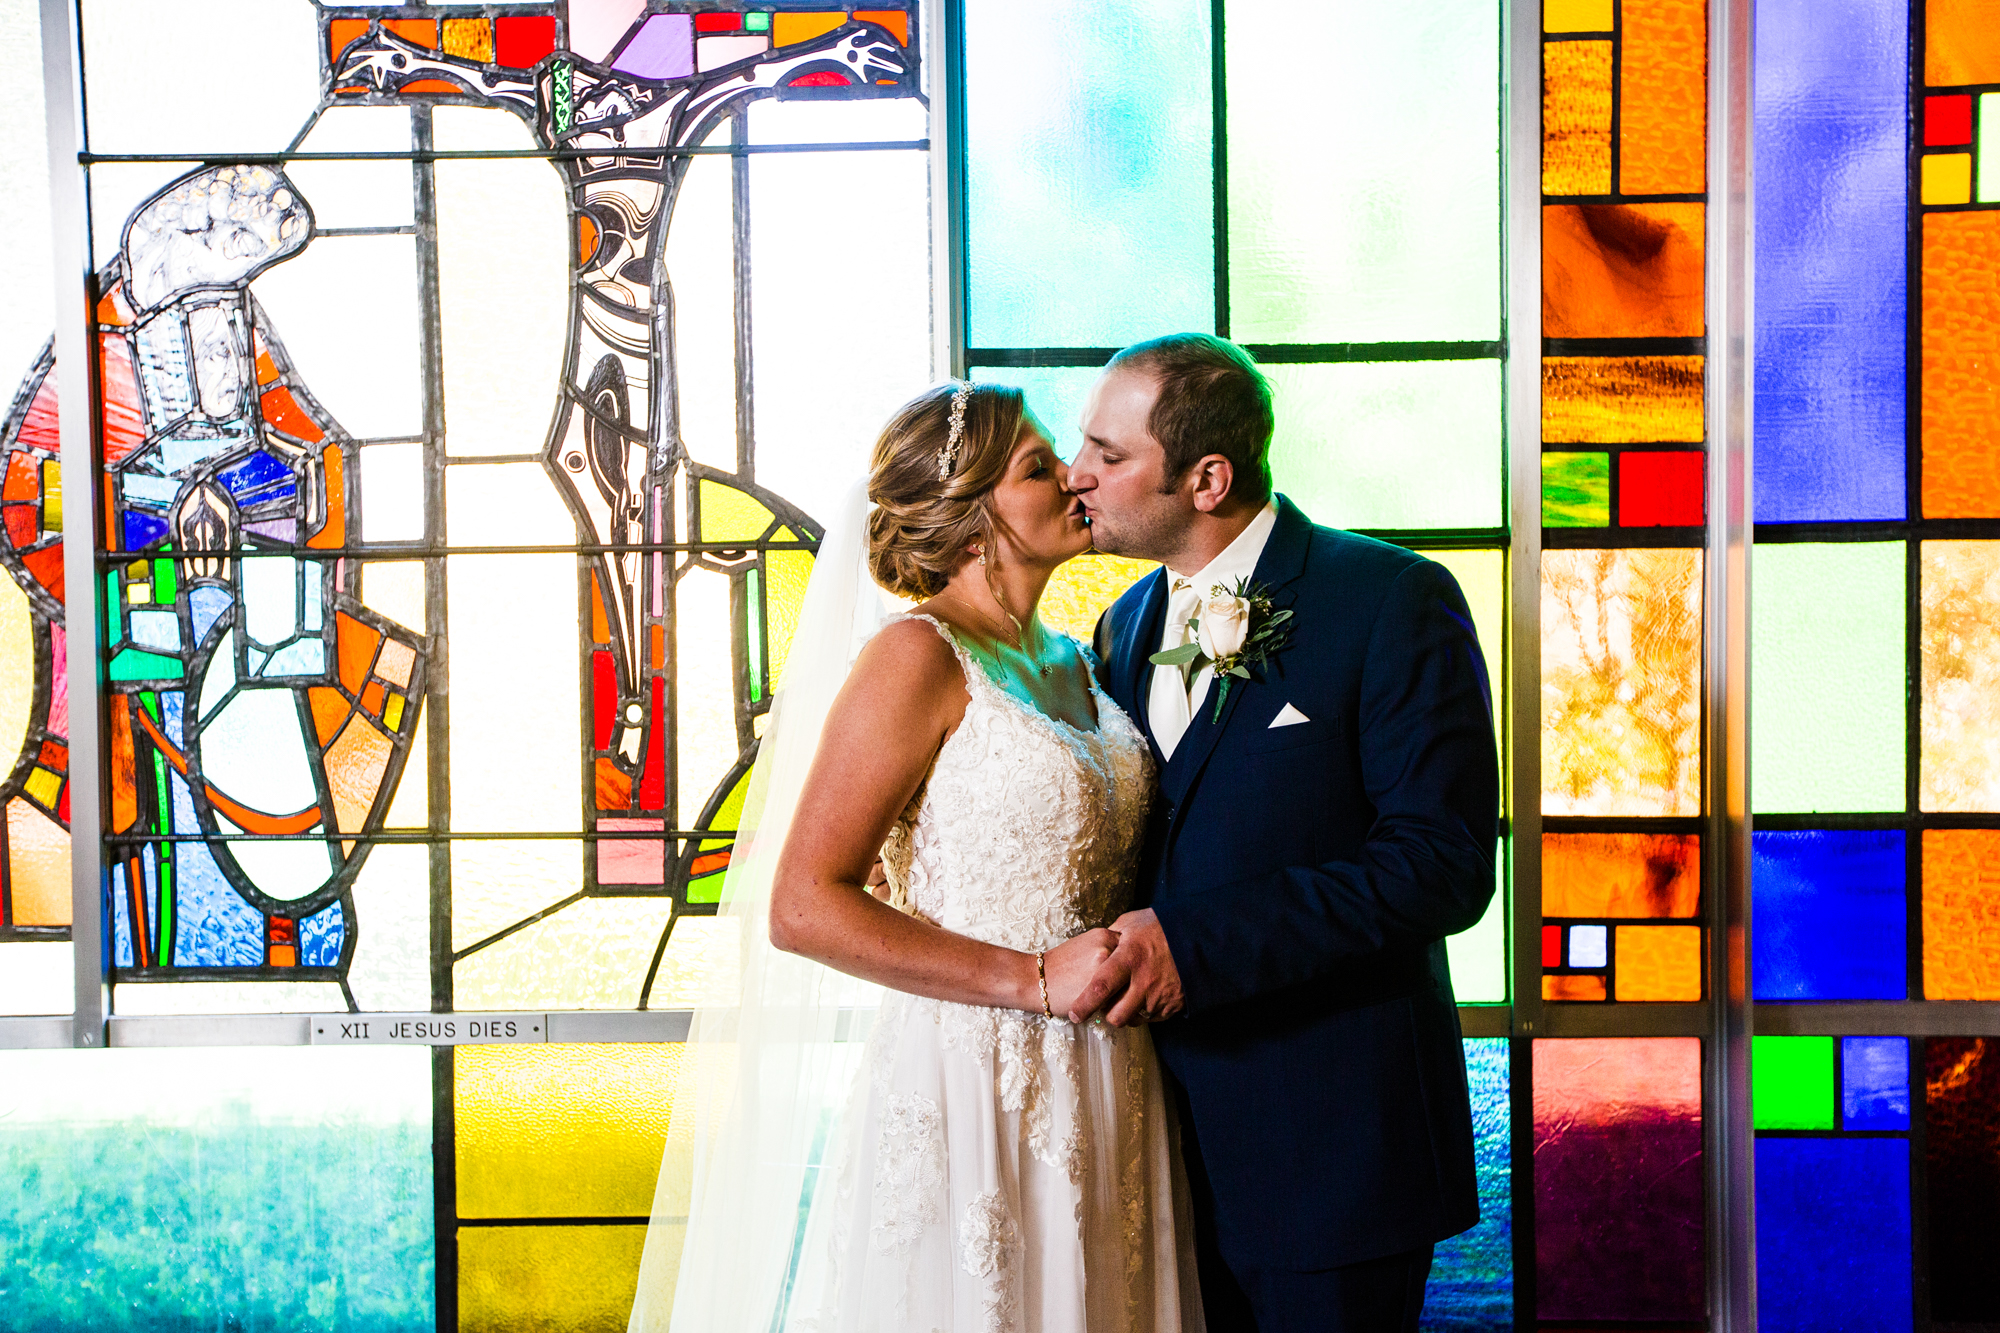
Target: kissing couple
(1165,1037)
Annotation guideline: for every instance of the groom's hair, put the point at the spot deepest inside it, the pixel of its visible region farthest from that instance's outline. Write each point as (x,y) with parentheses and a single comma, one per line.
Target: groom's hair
(1212,400)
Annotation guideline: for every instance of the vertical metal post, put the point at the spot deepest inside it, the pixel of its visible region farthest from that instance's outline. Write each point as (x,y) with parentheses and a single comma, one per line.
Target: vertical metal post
(1522,388)
(70,229)
(1727,1130)
(944,77)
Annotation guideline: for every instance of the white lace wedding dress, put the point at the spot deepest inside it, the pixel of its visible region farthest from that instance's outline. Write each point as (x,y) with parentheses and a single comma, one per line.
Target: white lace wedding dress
(997,1171)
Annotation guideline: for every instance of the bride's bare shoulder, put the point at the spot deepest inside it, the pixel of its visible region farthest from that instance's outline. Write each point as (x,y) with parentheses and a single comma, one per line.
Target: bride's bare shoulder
(909,659)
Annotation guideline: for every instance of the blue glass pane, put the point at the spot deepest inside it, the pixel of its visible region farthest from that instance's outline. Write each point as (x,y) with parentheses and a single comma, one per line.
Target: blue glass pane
(217,1188)
(1875,1082)
(1472,1279)
(321,937)
(1831,84)
(1833,1235)
(1090,188)
(1828,916)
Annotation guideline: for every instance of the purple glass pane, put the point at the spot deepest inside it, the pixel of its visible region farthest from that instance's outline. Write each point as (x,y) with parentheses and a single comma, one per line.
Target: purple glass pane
(663,49)
(1618,1189)
(1831,85)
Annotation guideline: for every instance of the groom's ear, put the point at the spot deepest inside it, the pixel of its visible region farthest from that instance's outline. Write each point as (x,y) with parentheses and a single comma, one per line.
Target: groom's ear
(1213,476)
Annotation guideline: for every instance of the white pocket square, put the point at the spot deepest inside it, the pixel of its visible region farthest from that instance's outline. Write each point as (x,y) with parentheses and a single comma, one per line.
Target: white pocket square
(1288,716)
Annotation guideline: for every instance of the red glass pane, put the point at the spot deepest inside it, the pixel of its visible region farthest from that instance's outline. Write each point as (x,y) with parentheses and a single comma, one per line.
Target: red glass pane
(1947,120)
(1659,489)
(718,22)
(1552,946)
(522,40)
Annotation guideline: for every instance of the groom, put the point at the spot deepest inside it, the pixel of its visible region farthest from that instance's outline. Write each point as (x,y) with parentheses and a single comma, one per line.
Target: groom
(1321,826)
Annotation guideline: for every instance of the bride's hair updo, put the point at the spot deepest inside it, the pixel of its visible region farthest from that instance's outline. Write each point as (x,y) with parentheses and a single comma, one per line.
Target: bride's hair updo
(922,525)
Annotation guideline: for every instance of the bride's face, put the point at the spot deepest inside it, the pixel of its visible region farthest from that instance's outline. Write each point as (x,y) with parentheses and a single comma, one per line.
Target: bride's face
(1035,516)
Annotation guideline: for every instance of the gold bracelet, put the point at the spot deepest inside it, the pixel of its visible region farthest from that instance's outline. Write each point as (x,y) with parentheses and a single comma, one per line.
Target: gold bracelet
(1042,976)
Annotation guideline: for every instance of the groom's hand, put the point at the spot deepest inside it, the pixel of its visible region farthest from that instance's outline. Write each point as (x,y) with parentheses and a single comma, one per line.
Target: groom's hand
(1142,967)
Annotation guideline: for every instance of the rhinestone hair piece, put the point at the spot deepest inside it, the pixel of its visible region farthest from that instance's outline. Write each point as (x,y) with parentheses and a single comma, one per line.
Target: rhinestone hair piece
(948,456)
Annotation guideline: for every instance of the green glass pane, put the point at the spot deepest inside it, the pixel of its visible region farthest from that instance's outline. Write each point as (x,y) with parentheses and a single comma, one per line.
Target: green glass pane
(132,664)
(1055,394)
(1089,182)
(753,631)
(1364,206)
(1791,1082)
(728,515)
(1826,645)
(1405,445)
(1576,490)
(260,1188)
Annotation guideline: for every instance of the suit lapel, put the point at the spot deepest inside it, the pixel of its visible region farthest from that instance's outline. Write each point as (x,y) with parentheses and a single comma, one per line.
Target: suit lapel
(1130,670)
(1283,560)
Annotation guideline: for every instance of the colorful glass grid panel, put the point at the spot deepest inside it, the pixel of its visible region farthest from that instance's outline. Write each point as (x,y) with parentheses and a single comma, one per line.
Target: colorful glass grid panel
(1618,1183)
(1831,915)
(1833,1234)
(1832,92)
(1960,644)
(1961,914)
(1827,645)
(1962,1176)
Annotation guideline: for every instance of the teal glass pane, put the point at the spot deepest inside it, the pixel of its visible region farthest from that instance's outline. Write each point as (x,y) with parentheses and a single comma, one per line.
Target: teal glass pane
(1364,193)
(1055,395)
(217,1188)
(1826,645)
(1576,490)
(1406,445)
(1089,180)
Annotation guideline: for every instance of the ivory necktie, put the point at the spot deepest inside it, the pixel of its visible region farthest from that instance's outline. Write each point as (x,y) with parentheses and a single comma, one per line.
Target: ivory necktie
(1167,700)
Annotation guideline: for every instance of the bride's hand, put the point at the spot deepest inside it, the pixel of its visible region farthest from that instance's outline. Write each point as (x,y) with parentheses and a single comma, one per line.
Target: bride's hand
(1070,965)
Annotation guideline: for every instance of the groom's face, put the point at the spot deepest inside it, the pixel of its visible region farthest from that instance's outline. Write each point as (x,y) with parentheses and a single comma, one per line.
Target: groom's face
(1120,473)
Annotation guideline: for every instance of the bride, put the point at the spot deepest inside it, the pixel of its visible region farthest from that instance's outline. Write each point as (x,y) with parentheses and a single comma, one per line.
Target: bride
(991,1166)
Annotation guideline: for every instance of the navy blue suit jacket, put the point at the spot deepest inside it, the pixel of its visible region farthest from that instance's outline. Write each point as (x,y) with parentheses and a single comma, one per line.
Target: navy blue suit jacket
(1306,877)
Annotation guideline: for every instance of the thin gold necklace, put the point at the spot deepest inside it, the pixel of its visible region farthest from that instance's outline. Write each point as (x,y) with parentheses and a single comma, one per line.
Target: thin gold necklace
(1019,644)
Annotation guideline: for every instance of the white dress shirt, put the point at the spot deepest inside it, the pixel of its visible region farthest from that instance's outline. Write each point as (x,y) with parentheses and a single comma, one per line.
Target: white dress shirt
(1172,699)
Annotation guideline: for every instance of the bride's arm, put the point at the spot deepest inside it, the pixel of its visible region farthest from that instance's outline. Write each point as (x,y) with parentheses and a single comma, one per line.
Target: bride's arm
(903,698)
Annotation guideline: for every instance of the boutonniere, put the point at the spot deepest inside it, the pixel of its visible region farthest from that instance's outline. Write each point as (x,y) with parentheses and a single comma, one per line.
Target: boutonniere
(1234,631)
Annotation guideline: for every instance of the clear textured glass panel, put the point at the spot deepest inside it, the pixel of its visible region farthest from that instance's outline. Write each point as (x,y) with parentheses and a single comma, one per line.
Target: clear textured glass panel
(1393,231)
(362,358)
(1833,1234)
(1089,215)
(27,280)
(505,504)
(840,243)
(1621,676)
(357,194)
(1351,437)
(1618,1179)
(1826,642)
(271,53)
(1832,88)
(701,264)
(701,965)
(392,950)
(227,997)
(503,286)
(1961,676)
(215,1187)
(496,884)
(37,977)
(592,954)
(705,697)
(392,493)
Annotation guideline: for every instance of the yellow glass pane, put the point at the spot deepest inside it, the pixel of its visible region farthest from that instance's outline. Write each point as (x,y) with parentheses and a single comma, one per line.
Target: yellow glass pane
(547,1279)
(1621,874)
(469,38)
(1576,118)
(1083,588)
(1576,16)
(1663,97)
(1962,914)
(1947,178)
(1961,42)
(1961,676)
(786,574)
(1573,986)
(1657,963)
(1621,399)
(562,1130)
(729,515)
(1482,577)
(38,866)
(1621,678)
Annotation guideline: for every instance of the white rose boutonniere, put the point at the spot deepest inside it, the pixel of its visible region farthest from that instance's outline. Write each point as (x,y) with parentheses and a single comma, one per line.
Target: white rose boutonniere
(1234,630)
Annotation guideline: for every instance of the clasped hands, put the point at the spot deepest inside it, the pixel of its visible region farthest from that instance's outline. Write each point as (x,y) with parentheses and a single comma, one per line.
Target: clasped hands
(1123,974)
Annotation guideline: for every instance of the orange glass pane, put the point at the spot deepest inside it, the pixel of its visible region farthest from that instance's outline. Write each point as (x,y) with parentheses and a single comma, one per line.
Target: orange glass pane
(787,29)
(421,32)
(1961,42)
(1657,962)
(1961,394)
(355,648)
(1621,874)
(1962,914)
(1663,97)
(1621,677)
(1960,689)
(471,39)
(124,765)
(1621,399)
(332,534)
(1575,986)
(1576,118)
(895,20)
(37,867)
(1622,270)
